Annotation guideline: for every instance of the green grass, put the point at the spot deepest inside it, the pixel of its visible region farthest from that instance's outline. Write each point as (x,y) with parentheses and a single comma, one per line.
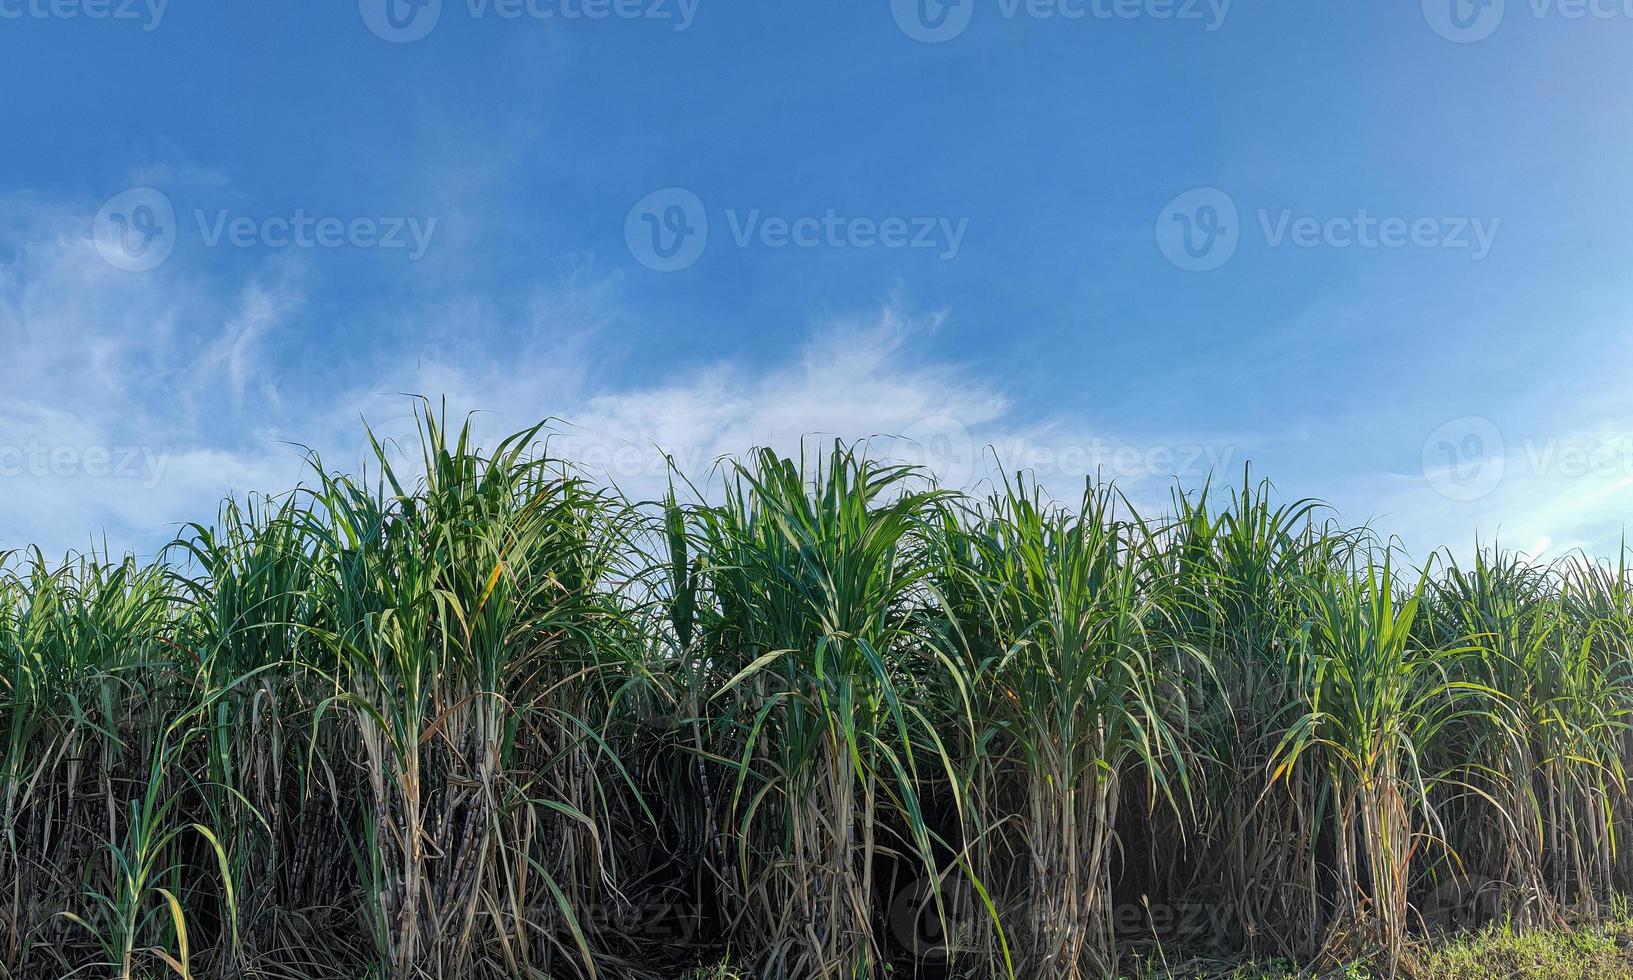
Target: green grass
(471,715)
(1500,951)
(1495,952)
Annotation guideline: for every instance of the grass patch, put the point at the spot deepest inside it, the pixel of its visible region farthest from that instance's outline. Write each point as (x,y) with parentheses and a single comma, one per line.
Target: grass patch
(1502,951)
(1496,952)
(1499,951)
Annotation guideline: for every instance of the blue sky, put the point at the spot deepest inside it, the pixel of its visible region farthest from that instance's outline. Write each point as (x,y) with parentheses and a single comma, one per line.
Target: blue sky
(227,228)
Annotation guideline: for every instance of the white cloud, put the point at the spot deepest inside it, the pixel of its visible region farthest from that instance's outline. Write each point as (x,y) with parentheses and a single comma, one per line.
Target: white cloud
(178,368)
(120,402)
(193,372)
(868,378)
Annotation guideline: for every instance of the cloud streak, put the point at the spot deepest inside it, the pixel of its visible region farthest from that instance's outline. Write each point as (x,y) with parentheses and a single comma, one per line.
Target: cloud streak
(194,370)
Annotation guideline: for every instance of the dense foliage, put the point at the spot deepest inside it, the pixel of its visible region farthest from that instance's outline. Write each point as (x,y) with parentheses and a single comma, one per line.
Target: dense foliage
(477,717)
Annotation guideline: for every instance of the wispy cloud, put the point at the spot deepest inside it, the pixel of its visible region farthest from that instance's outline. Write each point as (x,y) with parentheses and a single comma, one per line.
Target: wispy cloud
(176,363)
(181,375)
(124,410)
